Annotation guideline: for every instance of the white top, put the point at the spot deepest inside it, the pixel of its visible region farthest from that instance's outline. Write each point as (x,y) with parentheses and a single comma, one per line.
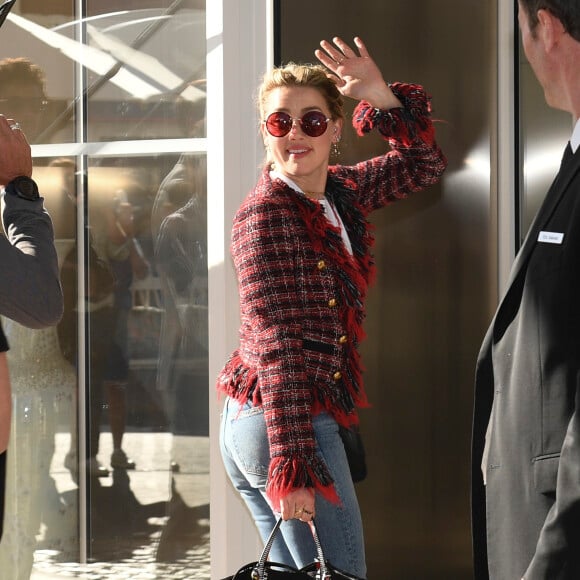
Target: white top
(329,209)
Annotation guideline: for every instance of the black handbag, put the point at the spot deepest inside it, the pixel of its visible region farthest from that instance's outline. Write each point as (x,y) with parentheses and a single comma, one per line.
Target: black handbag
(320,569)
(355,451)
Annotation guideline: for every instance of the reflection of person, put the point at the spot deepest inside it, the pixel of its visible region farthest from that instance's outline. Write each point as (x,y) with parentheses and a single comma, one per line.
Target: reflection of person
(187,175)
(526,486)
(30,291)
(63,200)
(22,94)
(114,257)
(115,243)
(301,248)
(98,298)
(181,258)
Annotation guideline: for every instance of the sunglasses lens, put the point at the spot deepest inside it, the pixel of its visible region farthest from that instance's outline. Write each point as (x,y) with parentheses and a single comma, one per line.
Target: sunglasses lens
(279,124)
(314,123)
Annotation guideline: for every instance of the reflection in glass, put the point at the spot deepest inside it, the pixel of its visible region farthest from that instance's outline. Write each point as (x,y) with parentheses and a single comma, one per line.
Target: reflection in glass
(145,68)
(180,250)
(156,76)
(147,382)
(142,302)
(23,95)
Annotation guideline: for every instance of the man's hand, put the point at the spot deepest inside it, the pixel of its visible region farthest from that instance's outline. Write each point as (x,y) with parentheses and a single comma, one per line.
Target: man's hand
(15,158)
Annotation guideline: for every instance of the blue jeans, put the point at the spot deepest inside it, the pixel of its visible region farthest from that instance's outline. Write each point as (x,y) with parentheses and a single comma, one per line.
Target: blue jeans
(246,456)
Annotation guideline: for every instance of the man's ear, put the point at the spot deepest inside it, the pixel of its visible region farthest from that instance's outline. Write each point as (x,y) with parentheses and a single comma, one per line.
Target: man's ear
(550,29)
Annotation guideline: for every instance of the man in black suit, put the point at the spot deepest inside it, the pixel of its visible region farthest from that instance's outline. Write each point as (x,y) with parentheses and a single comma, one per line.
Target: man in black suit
(526,438)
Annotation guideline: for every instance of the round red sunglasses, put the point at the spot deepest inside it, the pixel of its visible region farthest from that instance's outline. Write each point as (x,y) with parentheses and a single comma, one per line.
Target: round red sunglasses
(313,123)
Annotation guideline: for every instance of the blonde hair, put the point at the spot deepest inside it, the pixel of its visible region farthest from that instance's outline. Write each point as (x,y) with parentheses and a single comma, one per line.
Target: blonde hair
(302,75)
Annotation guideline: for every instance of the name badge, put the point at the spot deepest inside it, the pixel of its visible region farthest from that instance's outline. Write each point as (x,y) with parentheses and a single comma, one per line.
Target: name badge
(551,237)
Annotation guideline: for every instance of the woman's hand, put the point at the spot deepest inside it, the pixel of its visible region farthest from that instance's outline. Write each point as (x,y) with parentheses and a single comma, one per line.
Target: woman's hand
(357,76)
(298,504)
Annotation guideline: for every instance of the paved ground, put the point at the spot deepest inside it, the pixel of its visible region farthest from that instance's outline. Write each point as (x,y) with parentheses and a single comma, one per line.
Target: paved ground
(145,524)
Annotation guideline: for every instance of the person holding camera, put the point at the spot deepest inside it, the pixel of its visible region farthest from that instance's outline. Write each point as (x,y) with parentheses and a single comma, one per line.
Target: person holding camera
(30,290)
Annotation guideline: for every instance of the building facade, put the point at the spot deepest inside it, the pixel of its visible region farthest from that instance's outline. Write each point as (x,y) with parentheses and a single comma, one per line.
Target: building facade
(145,140)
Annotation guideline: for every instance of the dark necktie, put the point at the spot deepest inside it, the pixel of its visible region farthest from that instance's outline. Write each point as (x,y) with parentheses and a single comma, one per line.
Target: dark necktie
(568,155)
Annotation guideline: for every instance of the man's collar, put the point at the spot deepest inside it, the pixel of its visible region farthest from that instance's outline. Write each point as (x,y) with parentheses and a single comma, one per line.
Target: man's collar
(575,139)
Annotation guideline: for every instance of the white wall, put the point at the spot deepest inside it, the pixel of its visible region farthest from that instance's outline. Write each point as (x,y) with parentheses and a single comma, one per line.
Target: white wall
(239,48)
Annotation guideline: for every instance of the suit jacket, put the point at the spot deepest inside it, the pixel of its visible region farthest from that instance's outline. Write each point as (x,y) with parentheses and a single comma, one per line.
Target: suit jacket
(526,519)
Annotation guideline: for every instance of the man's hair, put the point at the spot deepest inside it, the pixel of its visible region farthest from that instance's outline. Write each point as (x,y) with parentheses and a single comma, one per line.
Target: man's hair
(566,11)
(21,71)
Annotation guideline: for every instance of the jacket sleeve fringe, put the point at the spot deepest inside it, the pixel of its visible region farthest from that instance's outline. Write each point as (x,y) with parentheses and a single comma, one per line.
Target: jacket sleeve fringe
(239,381)
(405,125)
(287,474)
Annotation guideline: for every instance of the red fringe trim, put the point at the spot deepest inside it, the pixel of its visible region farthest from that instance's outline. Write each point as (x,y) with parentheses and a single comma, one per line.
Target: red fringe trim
(404,126)
(313,214)
(239,381)
(287,475)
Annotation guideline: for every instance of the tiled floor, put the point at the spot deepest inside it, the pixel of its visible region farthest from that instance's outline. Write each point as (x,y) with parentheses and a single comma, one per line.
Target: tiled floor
(136,532)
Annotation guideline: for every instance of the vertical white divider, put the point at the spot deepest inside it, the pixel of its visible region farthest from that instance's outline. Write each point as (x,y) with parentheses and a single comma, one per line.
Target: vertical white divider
(239,48)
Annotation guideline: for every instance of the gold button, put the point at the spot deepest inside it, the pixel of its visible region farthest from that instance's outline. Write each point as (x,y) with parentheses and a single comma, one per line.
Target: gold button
(321,265)
(337,376)
(343,339)
(332,302)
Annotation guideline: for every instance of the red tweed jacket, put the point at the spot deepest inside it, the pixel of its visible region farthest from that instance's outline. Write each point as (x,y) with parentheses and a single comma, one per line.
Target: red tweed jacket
(302,293)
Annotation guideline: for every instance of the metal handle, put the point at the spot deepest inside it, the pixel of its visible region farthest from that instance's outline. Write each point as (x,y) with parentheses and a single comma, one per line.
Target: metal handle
(258,571)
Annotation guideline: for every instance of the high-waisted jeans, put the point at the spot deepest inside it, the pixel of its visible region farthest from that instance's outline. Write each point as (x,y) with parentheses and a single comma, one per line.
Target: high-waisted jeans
(246,456)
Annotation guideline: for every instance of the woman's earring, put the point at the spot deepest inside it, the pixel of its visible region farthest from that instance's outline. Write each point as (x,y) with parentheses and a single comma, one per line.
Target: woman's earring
(335,150)
(268,156)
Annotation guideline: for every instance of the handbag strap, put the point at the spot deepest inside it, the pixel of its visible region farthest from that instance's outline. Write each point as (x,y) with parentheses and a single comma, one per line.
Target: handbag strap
(322,573)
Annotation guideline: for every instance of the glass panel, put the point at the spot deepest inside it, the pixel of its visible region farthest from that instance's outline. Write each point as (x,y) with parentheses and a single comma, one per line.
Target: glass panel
(143,270)
(147,382)
(147,366)
(148,78)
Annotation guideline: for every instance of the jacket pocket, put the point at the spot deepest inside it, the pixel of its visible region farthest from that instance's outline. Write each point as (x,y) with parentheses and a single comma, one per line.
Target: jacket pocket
(545,468)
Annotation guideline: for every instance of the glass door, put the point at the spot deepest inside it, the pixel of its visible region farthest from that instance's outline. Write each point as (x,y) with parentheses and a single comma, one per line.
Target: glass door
(109,457)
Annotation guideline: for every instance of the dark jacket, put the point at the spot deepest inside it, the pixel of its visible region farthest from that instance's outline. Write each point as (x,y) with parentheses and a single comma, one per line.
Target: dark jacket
(526,520)
(30,290)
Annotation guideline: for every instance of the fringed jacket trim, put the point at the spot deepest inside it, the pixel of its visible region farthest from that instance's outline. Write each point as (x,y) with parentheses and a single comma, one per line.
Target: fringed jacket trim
(302,293)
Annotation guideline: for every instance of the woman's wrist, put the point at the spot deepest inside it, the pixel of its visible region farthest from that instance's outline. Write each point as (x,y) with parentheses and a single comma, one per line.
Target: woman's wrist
(383,98)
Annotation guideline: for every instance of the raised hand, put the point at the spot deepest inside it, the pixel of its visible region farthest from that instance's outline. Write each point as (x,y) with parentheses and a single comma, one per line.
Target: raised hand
(357,76)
